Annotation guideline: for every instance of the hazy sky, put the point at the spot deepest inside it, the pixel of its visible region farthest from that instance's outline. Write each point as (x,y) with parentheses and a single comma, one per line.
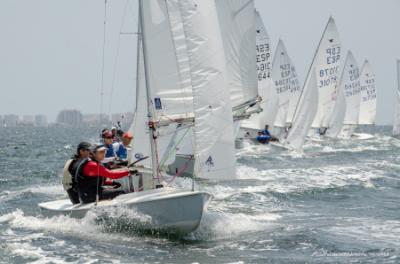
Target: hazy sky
(51,50)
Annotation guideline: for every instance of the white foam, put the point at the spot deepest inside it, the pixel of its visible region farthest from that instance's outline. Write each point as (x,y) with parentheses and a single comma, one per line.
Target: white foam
(289,180)
(53,190)
(372,230)
(221,225)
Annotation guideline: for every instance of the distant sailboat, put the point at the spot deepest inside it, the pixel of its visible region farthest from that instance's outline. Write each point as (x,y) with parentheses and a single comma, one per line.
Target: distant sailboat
(269,103)
(335,123)
(351,82)
(322,73)
(368,97)
(396,121)
(327,69)
(287,88)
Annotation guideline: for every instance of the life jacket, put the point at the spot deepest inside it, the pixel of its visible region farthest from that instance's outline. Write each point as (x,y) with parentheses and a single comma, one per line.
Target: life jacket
(67,176)
(122,152)
(110,151)
(88,187)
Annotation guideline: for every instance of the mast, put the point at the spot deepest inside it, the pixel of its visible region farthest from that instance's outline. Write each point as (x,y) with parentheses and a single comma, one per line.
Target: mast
(151,122)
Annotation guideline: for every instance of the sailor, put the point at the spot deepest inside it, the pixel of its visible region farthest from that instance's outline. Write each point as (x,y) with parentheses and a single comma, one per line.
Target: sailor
(121,148)
(102,133)
(69,184)
(108,141)
(322,131)
(92,175)
(262,138)
(114,134)
(120,133)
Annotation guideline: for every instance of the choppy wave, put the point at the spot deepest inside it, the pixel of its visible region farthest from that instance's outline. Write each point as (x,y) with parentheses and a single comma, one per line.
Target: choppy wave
(283,206)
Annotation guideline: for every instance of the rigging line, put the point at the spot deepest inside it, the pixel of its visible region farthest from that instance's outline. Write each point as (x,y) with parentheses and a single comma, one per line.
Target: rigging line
(103,61)
(117,56)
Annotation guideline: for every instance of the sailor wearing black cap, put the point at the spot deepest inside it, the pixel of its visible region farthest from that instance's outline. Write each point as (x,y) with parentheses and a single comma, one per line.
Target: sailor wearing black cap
(70,168)
(91,177)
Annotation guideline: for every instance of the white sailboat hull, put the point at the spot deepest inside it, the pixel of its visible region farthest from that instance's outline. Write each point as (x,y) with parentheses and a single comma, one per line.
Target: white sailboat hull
(362,136)
(279,145)
(170,210)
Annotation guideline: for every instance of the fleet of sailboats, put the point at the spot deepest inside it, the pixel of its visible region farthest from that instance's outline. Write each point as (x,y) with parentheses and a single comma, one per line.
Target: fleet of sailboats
(214,80)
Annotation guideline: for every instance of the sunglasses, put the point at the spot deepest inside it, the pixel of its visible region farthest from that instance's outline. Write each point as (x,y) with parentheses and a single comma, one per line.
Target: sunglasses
(108,137)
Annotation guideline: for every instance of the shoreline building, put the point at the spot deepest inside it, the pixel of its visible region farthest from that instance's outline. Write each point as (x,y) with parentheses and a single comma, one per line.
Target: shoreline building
(69,117)
(41,121)
(10,120)
(27,120)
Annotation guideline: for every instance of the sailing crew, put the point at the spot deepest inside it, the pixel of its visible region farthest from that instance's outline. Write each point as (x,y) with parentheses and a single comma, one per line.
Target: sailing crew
(121,148)
(114,134)
(70,168)
(262,138)
(108,141)
(91,177)
(322,131)
(102,133)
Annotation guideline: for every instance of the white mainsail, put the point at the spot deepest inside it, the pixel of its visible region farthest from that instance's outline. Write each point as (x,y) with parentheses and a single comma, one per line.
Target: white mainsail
(169,80)
(336,120)
(396,122)
(351,82)
(368,95)
(213,128)
(295,92)
(171,92)
(304,115)
(326,66)
(269,102)
(282,81)
(236,19)
(322,74)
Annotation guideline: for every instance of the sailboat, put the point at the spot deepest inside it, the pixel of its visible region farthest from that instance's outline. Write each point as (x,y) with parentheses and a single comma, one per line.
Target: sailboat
(205,107)
(287,87)
(327,78)
(270,101)
(337,117)
(367,100)
(322,74)
(396,121)
(351,81)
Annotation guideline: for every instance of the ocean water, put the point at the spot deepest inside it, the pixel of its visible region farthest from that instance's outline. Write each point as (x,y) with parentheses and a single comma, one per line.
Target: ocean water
(337,203)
